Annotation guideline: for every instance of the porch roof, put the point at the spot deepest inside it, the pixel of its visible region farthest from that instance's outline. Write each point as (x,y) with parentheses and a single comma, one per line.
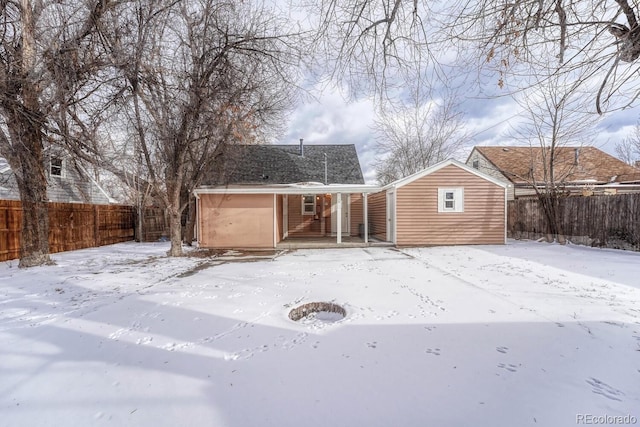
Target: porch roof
(297,188)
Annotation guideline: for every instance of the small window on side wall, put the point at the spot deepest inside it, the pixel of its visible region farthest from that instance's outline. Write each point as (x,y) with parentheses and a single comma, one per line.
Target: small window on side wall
(308,204)
(476,164)
(56,168)
(451,199)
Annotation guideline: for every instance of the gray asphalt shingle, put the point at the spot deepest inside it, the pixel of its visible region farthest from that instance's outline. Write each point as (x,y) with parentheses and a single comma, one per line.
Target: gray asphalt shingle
(283,164)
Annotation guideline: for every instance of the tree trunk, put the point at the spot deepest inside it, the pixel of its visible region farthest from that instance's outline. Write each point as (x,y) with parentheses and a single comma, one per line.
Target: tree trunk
(34,239)
(175,231)
(189,229)
(32,184)
(25,127)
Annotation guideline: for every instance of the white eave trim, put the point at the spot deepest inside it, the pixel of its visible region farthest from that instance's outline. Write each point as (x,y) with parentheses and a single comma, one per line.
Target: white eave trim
(289,189)
(404,181)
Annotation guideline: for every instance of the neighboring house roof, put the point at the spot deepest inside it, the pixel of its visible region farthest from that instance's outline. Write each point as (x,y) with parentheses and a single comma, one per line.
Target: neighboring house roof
(285,164)
(74,185)
(572,164)
(409,179)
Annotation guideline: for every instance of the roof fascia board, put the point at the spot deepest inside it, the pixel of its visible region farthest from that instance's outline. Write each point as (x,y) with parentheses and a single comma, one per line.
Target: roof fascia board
(288,189)
(409,179)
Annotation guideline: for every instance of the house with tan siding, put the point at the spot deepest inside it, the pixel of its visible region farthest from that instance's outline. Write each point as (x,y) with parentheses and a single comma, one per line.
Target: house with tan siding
(449,203)
(265,196)
(258,196)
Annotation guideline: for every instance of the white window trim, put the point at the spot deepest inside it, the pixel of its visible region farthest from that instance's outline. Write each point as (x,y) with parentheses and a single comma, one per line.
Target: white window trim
(62,167)
(458,199)
(303,204)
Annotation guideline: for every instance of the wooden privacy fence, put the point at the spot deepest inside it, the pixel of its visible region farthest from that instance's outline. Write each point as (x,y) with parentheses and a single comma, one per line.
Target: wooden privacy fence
(71,226)
(606,221)
(154,224)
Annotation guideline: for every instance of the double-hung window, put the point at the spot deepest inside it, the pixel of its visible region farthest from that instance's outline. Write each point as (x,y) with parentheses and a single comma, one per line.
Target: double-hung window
(451,199)
(308,204)
(56,167)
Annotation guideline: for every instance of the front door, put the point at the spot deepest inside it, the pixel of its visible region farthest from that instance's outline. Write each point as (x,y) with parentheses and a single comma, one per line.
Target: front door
(345,214)
(391,217)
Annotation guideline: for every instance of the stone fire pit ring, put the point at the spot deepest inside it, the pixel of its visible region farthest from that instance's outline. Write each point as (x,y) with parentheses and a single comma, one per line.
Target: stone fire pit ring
(335,311)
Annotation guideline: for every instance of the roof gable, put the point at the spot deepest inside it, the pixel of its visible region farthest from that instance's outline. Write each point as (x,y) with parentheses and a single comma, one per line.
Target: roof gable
(409,179)
(284,164)
(572,164)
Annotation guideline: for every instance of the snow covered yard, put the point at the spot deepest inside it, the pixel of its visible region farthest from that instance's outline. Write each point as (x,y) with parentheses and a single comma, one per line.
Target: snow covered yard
(516,335)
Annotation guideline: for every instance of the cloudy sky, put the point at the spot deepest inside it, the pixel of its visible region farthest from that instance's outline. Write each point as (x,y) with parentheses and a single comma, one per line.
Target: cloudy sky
(331,119)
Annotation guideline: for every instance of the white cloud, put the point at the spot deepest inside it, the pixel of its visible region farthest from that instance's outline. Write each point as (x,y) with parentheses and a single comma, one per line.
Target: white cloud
(331,119)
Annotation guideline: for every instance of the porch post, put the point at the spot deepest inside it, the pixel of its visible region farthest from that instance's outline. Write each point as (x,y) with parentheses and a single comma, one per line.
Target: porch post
(285,216)
(275,220)
(339,218)
(366,217)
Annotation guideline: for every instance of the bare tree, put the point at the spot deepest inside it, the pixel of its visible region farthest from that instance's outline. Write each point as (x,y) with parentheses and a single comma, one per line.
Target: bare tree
(200,74)
(416,134)
(628,150)
(598,38)
(555,126)
(372,40)
(46,56)
(375,45)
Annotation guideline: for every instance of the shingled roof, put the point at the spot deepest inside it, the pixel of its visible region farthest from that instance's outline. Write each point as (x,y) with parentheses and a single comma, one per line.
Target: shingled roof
(284,164)
(572,164)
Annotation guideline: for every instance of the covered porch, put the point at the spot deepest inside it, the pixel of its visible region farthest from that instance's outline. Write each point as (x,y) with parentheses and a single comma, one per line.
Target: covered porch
(329,242)
(284,216)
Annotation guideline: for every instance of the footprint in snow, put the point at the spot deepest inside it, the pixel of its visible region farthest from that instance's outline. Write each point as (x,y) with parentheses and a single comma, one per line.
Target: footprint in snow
(509,367)
(145,340)
(502,350)
(372,344)
(117,334)
(434,351)
(604,389)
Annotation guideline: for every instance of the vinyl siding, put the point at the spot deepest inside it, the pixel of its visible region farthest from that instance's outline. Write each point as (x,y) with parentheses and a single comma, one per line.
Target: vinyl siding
(377,208)
(485,166)
(72,187)
(236,221)
(419,223)
(302,225)
(356,213)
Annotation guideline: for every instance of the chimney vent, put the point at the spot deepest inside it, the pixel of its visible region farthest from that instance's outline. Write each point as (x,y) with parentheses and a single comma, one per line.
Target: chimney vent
(577,158)
(301,147)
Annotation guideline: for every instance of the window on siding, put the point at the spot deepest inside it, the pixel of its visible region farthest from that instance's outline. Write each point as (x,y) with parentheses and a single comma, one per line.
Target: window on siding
(308,204)
(56,168)
(476,164)
(451,199)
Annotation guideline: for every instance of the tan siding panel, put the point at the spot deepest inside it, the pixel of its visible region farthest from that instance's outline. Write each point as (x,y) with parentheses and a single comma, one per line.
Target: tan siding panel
(420,223)
(236,220)
(303,225)
(356,213)
(377,207)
